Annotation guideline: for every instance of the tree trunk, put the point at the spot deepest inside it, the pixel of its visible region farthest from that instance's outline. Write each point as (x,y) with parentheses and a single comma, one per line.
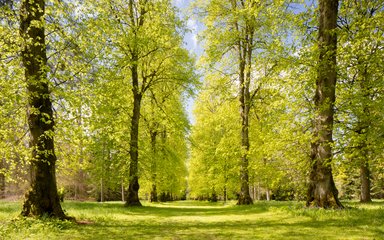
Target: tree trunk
(365,195)
(244,197)
(245,57)
(80,188)
(101,190)
(122,191)
(42,199)
(363,130)
(133,188)
(322,191)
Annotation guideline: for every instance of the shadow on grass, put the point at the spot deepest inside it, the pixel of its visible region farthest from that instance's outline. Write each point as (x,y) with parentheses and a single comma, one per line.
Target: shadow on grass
(171,209)
(281,228)
(180,211)
(9,207)
(202,220)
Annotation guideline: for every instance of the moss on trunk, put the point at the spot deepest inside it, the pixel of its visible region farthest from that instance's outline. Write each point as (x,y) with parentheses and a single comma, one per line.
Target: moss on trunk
(42,199)
(322,191)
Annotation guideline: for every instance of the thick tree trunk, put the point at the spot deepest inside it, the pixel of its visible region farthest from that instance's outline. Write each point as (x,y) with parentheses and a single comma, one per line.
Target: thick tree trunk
(244,98)
(365,195)
(245,66)
(244,197)
(137,21)
(133,188)
(322,191)
(42,199)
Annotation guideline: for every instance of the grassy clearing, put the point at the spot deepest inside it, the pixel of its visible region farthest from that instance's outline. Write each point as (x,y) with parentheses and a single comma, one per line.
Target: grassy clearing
(198,220)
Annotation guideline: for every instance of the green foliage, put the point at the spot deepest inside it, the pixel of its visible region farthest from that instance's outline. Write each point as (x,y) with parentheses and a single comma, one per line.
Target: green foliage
(214,142)
(89,46)
(360,100)
(13,124)
(279,115)
(88,71)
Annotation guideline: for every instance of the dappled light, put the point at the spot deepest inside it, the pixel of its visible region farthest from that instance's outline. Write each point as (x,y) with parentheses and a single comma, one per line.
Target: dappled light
(199,220)
(191,119)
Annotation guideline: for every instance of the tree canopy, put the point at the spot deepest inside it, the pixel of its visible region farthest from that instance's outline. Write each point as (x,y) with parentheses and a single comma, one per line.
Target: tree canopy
(287,100)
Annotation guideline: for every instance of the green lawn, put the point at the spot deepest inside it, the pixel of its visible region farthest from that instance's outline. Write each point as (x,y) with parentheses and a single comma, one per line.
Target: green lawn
(198,220)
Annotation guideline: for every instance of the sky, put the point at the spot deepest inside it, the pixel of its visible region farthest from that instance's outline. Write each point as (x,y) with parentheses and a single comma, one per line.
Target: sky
(191,42)
(191,38)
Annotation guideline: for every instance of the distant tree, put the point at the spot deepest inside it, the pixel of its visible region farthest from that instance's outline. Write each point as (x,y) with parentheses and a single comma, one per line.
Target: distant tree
(360,100)
(147,48)
(240,36)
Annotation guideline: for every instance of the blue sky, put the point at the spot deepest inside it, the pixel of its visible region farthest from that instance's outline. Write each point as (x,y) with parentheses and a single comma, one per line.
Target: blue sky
(191,42)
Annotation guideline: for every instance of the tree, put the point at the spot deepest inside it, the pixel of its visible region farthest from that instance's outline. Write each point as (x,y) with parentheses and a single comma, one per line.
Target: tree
(322,191)
(43,198)
(215,145)
(146,48)
(359,104)
(163,143)
(13,126)
(244,32)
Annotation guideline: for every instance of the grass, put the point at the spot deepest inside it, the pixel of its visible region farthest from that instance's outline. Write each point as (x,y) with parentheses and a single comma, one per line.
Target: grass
(198,220)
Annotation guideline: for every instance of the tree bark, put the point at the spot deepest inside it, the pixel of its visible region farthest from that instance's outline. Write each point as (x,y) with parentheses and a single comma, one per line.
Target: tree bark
(137,21)
(133,188)
(245,50)
(322,191)
(245,66)
(363,130)
(42,199)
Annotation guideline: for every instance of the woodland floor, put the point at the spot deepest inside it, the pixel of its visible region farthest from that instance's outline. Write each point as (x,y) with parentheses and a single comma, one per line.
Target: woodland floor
(198,220)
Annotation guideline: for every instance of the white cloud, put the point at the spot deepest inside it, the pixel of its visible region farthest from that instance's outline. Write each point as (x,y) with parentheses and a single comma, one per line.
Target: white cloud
(192,24)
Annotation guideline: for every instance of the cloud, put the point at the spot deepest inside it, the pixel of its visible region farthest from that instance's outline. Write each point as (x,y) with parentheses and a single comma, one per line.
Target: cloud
(192,36)
(179,3)
(192,24)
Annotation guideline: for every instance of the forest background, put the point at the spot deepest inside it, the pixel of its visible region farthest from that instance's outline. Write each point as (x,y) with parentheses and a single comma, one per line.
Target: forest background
(112,133)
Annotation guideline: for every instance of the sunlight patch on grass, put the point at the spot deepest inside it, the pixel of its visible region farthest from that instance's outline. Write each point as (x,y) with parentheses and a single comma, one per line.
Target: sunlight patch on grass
(198,220)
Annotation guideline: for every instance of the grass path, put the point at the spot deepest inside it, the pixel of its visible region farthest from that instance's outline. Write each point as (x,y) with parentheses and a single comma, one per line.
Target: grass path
(198,220)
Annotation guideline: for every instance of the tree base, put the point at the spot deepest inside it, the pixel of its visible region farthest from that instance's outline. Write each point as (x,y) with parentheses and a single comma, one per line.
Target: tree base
(133,194)
(323,195)
(133,204)
(245,200)
(35,206)
(153,197)
(330,204)
(365,200)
